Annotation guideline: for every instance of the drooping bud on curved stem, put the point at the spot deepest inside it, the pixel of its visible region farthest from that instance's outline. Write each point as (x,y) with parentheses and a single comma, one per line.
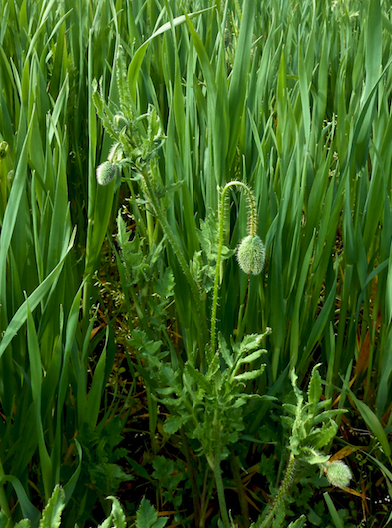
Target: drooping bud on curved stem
(251,251)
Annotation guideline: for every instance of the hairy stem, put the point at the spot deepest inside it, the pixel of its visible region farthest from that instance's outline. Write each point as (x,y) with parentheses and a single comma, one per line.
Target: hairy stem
(221,231)
(283,490)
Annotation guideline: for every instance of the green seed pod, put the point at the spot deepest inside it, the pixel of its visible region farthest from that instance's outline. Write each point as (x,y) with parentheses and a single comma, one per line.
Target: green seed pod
(251,254)
(106,172)
(338,474)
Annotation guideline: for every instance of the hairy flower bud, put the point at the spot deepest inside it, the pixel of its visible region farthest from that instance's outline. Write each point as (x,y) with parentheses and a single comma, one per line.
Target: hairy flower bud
(251,254)
(106,172)
(338,474)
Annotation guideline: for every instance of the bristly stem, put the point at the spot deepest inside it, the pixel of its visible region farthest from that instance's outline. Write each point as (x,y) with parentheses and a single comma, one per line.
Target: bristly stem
(283,491)
(252,229)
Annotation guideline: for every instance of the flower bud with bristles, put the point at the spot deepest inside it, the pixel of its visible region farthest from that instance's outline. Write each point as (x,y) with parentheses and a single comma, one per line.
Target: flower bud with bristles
(251,254)
(106,172)
(338,474)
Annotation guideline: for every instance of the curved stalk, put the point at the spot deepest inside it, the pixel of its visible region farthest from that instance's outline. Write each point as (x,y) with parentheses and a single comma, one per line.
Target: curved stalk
(221,229)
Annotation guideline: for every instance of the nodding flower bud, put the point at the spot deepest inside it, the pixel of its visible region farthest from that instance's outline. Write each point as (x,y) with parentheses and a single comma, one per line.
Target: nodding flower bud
(338,474)
(251,254)
(106,172)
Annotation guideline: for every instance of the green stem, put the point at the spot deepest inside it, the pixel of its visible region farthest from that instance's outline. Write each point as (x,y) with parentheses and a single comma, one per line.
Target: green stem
(283,490)
(221,492)
(3,499)
(240,490)
(195,496)
(205,496)
(221,231)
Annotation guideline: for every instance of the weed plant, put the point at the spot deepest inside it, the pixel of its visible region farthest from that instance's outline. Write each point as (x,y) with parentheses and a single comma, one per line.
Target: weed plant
(289,99)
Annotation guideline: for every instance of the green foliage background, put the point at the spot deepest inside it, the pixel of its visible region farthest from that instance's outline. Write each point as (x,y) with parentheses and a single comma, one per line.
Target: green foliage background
(292,98)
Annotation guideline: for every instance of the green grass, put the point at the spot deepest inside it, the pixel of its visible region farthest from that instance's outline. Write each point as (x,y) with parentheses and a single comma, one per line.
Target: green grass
(293,99)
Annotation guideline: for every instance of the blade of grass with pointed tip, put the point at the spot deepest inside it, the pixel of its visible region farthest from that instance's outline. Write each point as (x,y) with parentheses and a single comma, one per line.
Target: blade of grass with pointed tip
(373,423)
(34,299)
(134,68)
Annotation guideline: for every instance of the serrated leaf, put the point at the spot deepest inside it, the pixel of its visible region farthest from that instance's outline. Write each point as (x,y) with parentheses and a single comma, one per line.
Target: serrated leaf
(239,402)
(170,402)
(117,514)
(161,522)
(107,523)
(131,252)
(316,458)
(164,287)
(299,523)
(171,188)
(252,357)
(197,377)
(174,423)
(300,430)
(163,467)
(147,517)
(225,352)
(314,388)
(321,404)
(287,420)
(294,377)
(253,374)
(264,397)
(51,516)
(327,415)
(207,236)
(140,341)
(250,342)
(323,435)
(290,408)
(227,253)
(24,523)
